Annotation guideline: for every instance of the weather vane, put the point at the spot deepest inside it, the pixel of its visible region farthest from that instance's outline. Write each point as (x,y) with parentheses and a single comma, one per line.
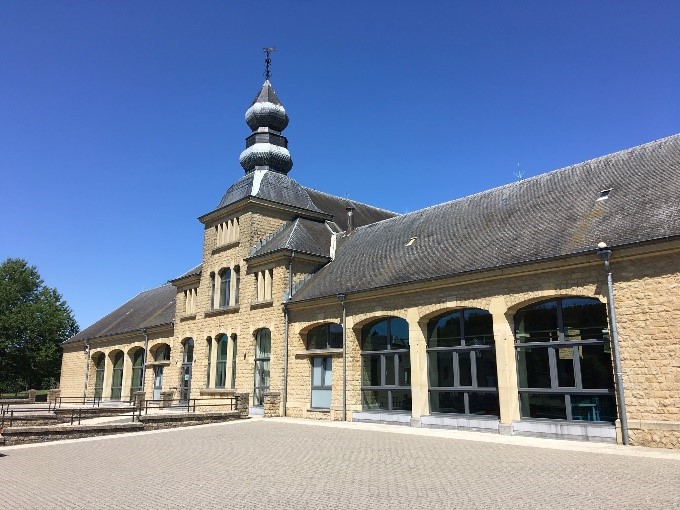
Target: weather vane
(268,62)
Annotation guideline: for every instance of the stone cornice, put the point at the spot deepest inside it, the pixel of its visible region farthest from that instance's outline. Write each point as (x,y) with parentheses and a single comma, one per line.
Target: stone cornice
(242,205)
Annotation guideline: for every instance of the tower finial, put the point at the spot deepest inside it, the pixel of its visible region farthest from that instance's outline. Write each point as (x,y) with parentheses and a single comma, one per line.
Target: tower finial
(268,61)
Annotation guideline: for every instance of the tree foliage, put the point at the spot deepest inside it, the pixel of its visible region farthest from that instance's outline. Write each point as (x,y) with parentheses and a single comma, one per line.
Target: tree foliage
(34,321)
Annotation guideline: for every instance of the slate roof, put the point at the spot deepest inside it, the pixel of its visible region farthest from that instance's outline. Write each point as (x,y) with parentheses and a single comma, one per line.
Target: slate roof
(551,215)
(337,206)
(192,272)
(147,309)
(269,185)
(300,235)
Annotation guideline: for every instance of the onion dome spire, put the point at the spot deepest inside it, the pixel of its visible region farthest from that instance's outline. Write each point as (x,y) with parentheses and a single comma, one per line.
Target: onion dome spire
(266,147)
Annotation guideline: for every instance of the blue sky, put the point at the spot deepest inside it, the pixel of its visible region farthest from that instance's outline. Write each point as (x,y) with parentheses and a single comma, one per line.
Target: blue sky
(122,122)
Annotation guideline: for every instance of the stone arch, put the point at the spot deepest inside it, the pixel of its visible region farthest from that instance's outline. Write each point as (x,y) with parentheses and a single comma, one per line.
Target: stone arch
(445,308)
(331,332)
(136,374)
(117,360)
(96,374)
(160,351)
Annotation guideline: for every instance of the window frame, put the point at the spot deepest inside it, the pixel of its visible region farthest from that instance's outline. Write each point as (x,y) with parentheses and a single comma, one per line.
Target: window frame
(468,346)
(326,360)
(556,343)
(387,356)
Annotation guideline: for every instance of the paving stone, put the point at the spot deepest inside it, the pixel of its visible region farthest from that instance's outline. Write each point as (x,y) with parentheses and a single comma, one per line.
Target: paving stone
(285,464)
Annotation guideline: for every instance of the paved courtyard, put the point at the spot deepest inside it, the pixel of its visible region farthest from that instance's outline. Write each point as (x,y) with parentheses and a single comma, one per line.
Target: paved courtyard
(294,464)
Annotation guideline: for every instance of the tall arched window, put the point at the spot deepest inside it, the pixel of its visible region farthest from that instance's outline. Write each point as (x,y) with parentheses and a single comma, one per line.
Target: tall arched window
(99,363)
(212,291)
(386,365)
(462,363)
(225,283)
(221,367)
(117,378)
(564,366)
(263,349)
(137,369)
(233,360)
(186,371)
(207,377)
(237,283)
(188,354)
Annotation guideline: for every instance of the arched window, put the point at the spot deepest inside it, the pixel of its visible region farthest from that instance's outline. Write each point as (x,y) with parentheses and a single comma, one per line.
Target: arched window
(117,378)
(225,283)
(137,369)
(237,283)
(188,354)
(326,336)
(207,378)
(564,366)
(386,365)
(221,367)
(162,353)
(233,361)
(212,291)
(99,363)
(462,363)
(263,349)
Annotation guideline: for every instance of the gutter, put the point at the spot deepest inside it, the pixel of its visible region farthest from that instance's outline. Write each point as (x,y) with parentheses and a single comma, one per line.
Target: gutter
(285,333)
(146,349)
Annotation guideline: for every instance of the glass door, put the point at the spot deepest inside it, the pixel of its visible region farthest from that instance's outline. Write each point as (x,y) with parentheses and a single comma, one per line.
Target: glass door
(185,383)
(263,348)
(157,383)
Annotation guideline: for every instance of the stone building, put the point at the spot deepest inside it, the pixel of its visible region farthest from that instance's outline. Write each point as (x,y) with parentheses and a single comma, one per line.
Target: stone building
(492,312)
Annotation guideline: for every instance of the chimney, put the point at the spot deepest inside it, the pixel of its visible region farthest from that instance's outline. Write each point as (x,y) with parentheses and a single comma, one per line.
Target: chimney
(350,220)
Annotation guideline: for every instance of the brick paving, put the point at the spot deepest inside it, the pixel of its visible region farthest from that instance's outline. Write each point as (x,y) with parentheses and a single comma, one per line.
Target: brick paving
(285,464)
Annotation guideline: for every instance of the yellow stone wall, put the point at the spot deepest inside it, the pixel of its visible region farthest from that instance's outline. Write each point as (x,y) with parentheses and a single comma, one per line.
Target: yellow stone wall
(647,296)
(647,293)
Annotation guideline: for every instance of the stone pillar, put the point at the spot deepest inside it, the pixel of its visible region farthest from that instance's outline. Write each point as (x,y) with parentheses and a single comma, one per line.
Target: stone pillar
(272,404)
(53,395)
(418,352)
(31,396)
(166,398)
(267,285)
(138,399)
(506,365)
(242,401)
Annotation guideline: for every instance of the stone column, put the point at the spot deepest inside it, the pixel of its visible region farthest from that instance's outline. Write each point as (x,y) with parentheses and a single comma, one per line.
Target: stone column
(242,401)
(272,404)
(506,364)
(166,398)
(419,388)
(31,396)
(138,399)
(53,395)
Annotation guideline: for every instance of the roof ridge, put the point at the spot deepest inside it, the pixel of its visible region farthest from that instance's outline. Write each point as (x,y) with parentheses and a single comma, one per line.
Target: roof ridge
(350,200)
(528,179)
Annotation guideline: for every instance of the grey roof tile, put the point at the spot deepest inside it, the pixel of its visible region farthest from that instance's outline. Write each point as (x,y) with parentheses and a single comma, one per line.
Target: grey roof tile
(551,215)
(147,309)
(192,272)
(364,214)
(269,185)
(300,235)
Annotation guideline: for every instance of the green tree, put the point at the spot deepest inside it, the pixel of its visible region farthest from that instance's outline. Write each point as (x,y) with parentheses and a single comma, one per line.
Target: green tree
(34,321)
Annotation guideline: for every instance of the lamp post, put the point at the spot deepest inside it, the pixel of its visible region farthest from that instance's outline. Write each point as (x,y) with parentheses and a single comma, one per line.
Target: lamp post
(341,297)
(605,253)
